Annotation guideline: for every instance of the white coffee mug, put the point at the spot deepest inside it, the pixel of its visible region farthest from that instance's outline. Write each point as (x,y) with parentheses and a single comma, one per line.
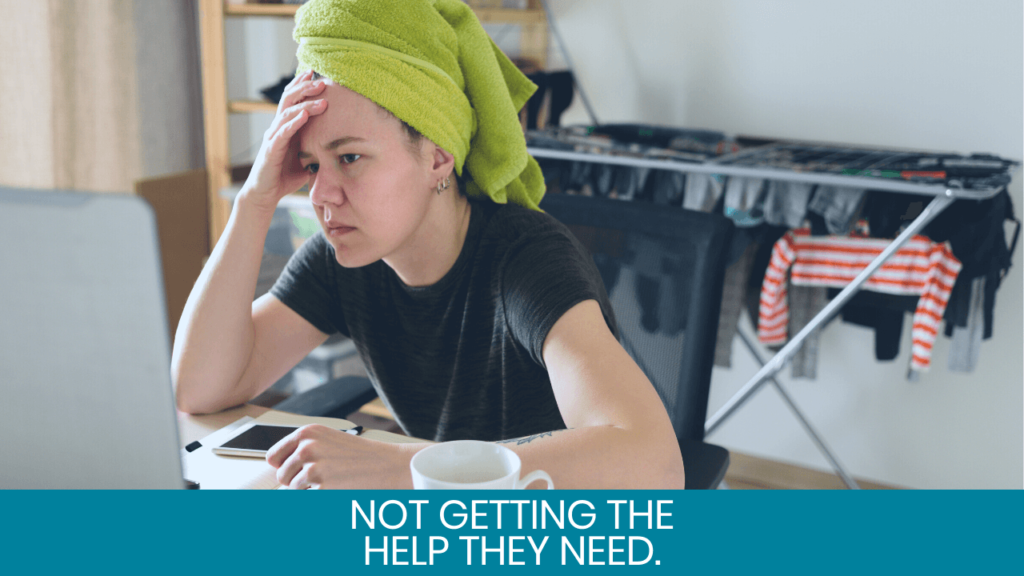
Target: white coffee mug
(470,465)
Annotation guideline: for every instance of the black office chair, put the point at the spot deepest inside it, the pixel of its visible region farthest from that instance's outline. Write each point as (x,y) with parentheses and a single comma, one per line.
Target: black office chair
(336,398)
(663,269)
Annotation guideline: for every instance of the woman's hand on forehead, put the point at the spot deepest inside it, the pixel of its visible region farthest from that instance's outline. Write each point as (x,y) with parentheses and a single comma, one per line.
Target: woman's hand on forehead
(277,171)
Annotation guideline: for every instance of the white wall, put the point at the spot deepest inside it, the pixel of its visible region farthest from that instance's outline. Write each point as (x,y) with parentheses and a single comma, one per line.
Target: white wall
(942,75)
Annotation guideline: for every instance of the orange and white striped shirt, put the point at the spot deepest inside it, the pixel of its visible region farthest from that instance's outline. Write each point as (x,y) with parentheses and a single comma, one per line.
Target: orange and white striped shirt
(920,268)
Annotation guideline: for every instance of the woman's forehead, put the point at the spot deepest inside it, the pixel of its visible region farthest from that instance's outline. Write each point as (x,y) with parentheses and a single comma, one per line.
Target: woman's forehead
(348,115)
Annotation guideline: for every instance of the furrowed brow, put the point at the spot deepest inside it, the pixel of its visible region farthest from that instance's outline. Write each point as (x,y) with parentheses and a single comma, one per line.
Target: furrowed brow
(333,145)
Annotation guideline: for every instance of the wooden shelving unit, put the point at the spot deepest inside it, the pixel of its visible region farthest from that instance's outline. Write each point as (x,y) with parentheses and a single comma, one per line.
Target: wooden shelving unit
(250,106)
(217,106)
(261,9)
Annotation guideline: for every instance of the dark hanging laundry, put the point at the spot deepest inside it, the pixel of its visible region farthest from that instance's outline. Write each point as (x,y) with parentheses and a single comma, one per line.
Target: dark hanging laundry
(884,313)
(977,234)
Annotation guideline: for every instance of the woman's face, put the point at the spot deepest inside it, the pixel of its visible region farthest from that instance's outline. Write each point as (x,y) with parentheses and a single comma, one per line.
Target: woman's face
(369,189)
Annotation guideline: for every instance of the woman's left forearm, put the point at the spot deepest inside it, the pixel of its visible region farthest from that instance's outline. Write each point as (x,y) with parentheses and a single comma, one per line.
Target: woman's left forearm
(604,457)
(621,435)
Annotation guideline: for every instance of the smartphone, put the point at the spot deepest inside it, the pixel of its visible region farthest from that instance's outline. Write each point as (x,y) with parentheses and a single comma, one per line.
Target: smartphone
(253,440)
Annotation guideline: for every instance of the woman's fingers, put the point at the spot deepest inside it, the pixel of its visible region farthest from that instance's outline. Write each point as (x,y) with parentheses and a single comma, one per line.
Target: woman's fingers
(287,472)
(305,479)
(299,78)
(310,107)
(280,135)
(278,143)
(295,457)
(302,90)
(277,170)
(295,82)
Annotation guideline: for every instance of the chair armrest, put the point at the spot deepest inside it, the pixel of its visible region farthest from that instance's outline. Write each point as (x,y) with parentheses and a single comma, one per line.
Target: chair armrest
(334,399)
(705,464)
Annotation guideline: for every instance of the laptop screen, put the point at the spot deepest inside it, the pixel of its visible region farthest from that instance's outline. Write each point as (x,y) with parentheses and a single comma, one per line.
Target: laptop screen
(85,391)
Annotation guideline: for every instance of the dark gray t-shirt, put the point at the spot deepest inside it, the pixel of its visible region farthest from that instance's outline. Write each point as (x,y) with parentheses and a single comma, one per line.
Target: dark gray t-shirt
(460,359)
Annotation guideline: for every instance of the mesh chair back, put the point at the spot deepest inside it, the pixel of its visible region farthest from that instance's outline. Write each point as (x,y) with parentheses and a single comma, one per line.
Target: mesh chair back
(663,269)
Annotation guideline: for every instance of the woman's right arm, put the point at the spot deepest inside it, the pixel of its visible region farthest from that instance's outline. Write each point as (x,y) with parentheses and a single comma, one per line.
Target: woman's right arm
(227,348)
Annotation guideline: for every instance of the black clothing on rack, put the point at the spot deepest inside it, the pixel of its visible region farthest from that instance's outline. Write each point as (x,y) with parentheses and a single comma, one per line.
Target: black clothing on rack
(884,313)
(977,237)
(888,212)
(976,233)
(762,257)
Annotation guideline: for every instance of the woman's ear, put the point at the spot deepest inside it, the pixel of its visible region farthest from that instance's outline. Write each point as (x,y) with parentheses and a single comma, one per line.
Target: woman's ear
(443,163)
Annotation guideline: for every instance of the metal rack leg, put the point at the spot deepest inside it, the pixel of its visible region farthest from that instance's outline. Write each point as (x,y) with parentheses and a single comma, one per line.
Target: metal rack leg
(568,62)
(811,431)
(936,206)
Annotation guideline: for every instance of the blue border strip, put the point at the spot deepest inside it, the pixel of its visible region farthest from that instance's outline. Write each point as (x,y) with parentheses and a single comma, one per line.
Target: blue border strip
(860,533)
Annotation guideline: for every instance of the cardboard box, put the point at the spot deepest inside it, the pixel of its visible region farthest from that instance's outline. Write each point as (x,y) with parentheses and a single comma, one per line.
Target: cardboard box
(183,225)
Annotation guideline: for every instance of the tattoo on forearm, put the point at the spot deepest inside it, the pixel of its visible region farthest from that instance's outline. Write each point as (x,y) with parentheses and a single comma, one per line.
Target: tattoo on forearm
(525,439)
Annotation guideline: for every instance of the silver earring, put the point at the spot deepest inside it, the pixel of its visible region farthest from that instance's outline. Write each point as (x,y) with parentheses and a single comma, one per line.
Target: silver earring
(443,185)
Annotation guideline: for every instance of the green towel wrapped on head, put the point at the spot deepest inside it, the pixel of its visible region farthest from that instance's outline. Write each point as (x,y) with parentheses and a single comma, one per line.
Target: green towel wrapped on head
(432,65)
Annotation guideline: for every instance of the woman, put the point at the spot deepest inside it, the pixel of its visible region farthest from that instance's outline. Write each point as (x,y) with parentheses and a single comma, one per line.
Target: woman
(477,316)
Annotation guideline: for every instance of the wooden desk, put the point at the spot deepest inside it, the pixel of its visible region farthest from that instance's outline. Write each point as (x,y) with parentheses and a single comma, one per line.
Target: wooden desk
(192,428)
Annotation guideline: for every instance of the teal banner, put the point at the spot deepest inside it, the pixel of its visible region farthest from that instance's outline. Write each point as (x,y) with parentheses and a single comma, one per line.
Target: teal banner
(375,532)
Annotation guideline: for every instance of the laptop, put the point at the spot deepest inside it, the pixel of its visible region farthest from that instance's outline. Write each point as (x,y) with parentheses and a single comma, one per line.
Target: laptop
(85,389)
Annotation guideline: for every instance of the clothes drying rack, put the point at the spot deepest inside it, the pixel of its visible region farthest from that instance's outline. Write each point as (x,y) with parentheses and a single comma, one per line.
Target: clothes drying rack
(756,163)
